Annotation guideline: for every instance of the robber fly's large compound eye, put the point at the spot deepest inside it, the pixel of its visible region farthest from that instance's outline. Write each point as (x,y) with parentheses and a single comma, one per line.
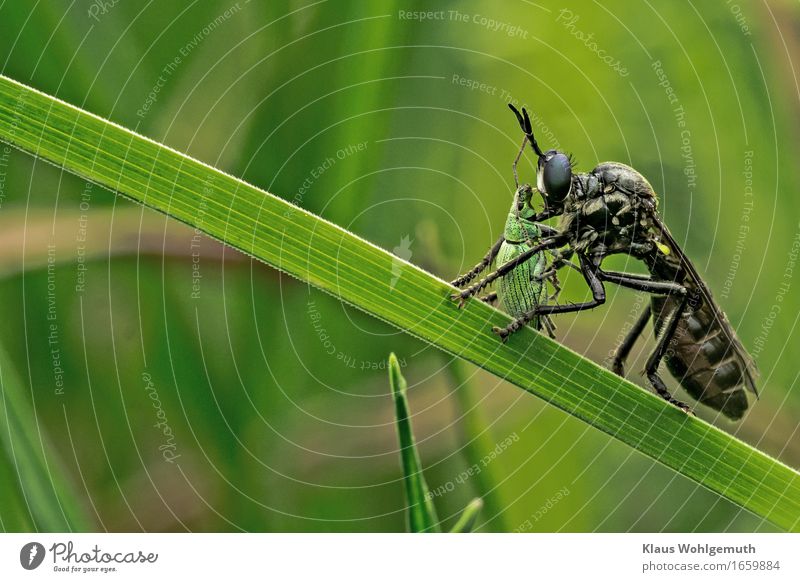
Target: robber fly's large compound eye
(556,176)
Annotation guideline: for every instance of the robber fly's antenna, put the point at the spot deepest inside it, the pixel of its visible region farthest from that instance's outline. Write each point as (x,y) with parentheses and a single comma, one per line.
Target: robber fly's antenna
(527,129)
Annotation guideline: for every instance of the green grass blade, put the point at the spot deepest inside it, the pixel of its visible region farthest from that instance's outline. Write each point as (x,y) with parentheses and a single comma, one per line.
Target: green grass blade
(466,523)
(361,274)
(421,512)
(14,513)
(45,494)
(476,443)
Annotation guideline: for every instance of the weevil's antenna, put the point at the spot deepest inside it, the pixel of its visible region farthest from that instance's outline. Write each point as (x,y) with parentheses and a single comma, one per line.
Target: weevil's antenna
(527,129)
(516,161)
(517,194)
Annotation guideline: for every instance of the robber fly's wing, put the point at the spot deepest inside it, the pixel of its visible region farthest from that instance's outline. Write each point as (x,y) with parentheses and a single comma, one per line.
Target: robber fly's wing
(748,365)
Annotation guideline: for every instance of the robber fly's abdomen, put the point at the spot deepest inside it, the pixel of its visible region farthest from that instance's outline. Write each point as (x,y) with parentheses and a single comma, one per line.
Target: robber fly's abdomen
(703,359)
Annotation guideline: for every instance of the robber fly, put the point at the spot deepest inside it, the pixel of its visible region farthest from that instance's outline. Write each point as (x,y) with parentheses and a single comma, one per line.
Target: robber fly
(611,210)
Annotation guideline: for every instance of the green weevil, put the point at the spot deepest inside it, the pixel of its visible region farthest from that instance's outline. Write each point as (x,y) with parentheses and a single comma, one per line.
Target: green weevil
(523,287)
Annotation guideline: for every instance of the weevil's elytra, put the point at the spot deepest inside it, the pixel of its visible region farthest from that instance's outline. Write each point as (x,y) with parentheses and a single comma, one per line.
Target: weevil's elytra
(611,210)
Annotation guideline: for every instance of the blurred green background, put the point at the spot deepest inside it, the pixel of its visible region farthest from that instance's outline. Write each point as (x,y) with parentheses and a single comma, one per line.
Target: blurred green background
(396,128)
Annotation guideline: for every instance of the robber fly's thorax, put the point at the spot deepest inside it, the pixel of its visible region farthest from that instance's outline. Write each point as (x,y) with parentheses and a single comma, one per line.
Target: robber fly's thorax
(608,210)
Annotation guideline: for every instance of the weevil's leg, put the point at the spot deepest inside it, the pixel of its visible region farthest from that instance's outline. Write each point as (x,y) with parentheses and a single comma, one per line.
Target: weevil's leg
(491,298)
(546,213)
(546,229)
(560,260)
(481,266)
(551,274)
(651,369)
(624,349)
(564,256)
(598,298)
(556,286)
(502,270)
(547,273)
(564,259)
(547,321)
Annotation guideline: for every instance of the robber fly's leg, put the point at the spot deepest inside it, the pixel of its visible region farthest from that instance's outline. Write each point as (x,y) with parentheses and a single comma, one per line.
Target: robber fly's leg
(624,349)
(589,272)
(642,283)
(639,283)
(502,270)
(651,369)
(481,266)
(598,298)
(491,298)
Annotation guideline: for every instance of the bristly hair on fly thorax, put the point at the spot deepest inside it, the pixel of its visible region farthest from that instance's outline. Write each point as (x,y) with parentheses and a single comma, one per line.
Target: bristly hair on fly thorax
(573,161)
